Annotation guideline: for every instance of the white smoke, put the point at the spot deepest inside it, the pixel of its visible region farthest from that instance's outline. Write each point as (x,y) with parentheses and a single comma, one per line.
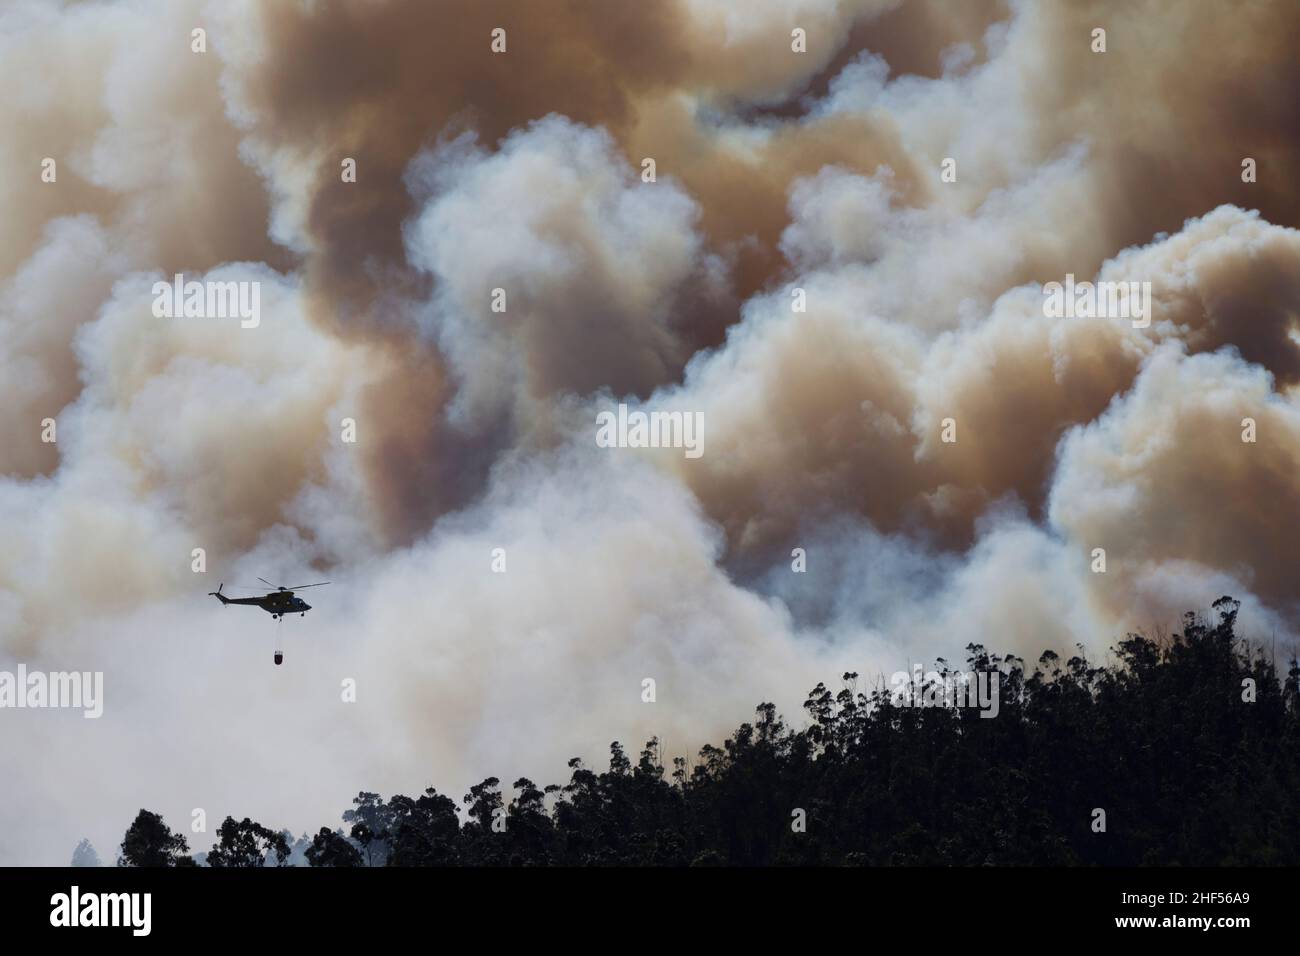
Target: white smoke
(823,426)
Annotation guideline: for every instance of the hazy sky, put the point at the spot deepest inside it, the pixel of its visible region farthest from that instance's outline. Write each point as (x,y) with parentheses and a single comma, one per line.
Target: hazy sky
(855,206)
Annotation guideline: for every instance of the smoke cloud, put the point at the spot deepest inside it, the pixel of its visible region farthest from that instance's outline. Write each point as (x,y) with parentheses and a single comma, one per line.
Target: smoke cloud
(414,417)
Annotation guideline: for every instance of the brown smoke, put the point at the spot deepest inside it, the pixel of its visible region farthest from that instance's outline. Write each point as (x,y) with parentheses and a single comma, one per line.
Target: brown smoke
(779,174)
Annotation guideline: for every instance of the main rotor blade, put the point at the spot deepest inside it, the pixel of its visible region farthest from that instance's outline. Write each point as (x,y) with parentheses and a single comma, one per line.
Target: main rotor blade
(299,587)
(267,583)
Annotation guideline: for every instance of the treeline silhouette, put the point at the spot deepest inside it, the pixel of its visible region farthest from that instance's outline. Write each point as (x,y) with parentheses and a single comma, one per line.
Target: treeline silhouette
(1189,743)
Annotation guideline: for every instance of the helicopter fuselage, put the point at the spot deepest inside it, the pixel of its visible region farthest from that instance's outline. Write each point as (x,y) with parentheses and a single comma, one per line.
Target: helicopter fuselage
(276,603)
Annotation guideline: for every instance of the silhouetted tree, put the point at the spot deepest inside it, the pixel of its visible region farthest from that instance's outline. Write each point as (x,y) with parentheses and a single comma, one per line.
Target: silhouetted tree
(247,844)
(370,820)
(424,831)
(331,848)
(150,842)
(483,845)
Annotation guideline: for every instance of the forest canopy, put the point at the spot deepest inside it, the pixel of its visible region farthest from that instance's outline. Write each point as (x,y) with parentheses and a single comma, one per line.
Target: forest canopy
(1182,749)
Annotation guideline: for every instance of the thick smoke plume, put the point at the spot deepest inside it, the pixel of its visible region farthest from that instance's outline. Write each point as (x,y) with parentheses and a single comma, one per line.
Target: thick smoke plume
(780,176)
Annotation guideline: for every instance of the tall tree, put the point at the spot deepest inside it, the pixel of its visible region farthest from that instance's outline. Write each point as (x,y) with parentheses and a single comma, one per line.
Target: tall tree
(370,818)
(424,831)
(85,855)
(150,842)
(331,848)
(248,844)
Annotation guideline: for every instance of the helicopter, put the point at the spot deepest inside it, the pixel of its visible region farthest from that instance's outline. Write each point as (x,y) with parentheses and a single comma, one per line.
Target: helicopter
(278,602)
